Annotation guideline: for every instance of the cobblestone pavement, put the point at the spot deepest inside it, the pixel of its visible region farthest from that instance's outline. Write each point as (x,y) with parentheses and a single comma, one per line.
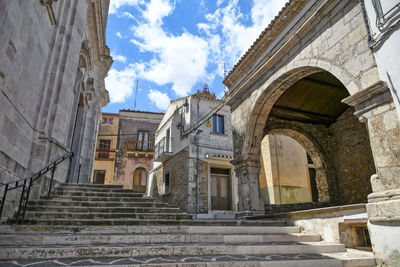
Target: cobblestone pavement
(157,260)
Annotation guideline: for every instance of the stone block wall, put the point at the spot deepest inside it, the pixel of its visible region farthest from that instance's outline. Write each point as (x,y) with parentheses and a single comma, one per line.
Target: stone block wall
(203,186)
(178,169)
(41,81)
(354,163)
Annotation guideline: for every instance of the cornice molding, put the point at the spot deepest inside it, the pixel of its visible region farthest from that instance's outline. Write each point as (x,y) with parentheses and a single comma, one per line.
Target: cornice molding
(264,56)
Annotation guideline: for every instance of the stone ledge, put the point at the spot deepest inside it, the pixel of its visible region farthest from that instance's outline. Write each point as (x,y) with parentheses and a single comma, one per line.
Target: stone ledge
(327,210)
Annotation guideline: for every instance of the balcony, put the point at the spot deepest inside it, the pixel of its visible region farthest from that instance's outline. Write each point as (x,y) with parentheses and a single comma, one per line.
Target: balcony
(163,149)
(139,146)
(105,154)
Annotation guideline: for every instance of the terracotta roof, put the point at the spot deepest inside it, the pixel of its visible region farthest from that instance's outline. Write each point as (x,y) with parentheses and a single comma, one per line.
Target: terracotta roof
(109,113)
(284,17)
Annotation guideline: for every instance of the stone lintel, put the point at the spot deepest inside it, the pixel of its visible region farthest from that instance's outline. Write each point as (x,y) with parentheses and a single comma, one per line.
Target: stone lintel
(369,98)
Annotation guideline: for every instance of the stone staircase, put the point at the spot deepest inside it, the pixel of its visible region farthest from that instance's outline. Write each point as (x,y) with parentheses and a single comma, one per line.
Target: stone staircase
(98,225)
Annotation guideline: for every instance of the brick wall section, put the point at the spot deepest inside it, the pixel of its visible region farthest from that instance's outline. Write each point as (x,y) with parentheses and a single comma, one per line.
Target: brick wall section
(354,163)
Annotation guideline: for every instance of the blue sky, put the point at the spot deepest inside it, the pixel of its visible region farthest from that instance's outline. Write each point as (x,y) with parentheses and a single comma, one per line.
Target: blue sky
(172,47)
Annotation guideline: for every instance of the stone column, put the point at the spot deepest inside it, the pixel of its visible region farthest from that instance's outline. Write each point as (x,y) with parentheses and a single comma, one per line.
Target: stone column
(247,170)
(376,108)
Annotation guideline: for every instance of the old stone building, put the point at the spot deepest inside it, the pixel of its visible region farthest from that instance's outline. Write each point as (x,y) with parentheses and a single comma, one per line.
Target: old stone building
(106,146)
(53,61)
(135,148)
(323,73)
(194,140)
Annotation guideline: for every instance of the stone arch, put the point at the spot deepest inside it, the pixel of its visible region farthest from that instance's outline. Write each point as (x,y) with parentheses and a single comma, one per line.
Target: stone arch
(316,152)
(140,165)
(84,56)
(276,85)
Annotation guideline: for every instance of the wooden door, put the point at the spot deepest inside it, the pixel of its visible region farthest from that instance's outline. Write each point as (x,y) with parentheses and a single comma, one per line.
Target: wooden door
(220,189)
(140,180)
(99,177)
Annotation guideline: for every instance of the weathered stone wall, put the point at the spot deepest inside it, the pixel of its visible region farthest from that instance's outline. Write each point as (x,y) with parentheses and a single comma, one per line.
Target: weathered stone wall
(178,169)
(41,81)
(344,150)
(203,186)
(354,164)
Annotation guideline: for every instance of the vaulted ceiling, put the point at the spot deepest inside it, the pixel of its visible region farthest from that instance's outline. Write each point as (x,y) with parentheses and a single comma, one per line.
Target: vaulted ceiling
(314,99)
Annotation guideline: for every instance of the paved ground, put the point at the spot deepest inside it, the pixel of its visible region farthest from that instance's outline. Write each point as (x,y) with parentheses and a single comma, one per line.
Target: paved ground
(148,260)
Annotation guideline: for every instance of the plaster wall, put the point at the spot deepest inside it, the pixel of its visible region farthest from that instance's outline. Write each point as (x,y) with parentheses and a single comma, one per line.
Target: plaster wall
(284,171)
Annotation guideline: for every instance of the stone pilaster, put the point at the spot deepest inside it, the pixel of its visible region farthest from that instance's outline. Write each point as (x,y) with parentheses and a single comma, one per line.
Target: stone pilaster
(375,107)
(247,170)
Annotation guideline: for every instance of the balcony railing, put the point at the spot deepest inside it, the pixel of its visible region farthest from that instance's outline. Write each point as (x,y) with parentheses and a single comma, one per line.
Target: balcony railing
(163,149)
(105,154)
(139,146)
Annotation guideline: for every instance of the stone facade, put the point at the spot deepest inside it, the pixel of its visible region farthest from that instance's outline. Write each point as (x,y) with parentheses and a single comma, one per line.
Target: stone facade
(178,169)
(182,141)
(52,86)
(334,37)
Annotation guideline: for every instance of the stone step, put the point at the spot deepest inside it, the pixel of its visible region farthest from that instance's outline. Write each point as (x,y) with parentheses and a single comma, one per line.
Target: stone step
(34,215)
(144,250)
(346,259)
(112,199)
(109,222)
(123,238)
(93,185)
(95,194)
(55,202)
(130,209)
(150,229)
(95,189)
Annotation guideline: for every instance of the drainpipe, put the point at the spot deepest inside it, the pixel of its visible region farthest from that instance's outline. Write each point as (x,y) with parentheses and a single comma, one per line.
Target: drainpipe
(197,159)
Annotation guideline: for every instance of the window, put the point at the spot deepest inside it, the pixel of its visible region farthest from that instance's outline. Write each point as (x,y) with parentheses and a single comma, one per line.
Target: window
(104,148)
(167,183)
(99,176)
(143,140)
(107,120)
(218,124)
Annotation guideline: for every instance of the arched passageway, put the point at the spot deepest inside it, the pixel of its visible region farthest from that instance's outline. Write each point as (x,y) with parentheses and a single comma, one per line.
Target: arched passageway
(311,112)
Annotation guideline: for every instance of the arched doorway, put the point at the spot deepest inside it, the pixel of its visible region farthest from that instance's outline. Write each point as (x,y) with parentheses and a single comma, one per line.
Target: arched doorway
(310,110)
(139,180)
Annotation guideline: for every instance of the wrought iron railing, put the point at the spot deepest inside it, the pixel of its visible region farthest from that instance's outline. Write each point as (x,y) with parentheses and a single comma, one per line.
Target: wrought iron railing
(162,147)
(143,146)
(26,185)
(105,154)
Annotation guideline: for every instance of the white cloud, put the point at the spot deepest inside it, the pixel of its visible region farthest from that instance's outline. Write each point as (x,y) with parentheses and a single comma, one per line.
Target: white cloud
(237,37)
(115,4)
(120,84)
(119,58)
(127,15)
(180,60)
(160,99)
